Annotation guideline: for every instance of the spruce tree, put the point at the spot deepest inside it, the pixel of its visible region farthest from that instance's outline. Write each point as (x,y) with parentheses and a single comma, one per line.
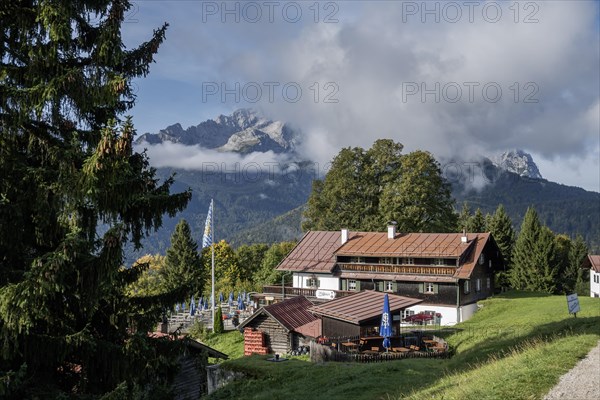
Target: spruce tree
(218,326)
(464,217)
(183,265)
(67,166)
(534,266)
(575,278)
(502,230)
(476,222)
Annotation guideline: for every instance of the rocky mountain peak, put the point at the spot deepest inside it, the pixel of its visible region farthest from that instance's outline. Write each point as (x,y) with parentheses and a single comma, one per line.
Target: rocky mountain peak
(244,131)
(518,162)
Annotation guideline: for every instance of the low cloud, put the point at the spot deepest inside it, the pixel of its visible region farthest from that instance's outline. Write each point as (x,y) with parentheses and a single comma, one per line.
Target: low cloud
(197,158)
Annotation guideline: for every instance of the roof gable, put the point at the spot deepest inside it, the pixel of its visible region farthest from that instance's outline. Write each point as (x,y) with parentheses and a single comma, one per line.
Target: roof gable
(593,262)
(291,314)
(314,253)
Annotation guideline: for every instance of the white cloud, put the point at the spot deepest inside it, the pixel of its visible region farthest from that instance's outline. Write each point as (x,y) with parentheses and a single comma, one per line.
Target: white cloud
(376,50)
(209,161)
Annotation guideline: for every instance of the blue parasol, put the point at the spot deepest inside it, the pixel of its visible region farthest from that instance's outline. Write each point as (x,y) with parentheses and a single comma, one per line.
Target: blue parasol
(192,306)
(241,305)
(385,328)
(221,297)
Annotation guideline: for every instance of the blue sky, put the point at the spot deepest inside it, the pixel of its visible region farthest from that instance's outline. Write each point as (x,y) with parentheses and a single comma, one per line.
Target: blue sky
(464,79)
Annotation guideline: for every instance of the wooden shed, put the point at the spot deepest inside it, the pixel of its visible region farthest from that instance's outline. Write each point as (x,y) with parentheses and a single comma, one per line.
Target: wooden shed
(285,325)
(360,314)
(190,382)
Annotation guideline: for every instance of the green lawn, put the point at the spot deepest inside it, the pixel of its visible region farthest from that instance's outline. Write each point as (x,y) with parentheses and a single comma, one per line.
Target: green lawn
(516,347)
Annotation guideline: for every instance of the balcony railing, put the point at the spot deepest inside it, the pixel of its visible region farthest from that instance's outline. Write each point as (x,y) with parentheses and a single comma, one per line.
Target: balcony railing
(398,269)
(307,292)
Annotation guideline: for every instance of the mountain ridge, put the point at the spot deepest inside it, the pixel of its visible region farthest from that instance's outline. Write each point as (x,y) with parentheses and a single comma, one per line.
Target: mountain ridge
(244,131)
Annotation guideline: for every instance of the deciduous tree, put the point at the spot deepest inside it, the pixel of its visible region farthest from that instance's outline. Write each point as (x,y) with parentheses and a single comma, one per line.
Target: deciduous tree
(364,190)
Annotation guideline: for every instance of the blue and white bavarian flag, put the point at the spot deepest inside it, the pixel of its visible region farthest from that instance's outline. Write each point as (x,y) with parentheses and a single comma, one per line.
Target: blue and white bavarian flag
(207,239)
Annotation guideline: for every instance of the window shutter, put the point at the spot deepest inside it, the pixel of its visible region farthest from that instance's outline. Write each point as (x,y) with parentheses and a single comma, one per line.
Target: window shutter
(344,284)
(394,286)
(421,287)
(357,285)
(435,288)
(380,286)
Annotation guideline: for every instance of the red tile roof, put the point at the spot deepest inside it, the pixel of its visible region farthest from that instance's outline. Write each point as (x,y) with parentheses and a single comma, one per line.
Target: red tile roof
(405,245)
(291,313)
(361,306)
(317,250)
(593,262)
(314,253)
(465,270)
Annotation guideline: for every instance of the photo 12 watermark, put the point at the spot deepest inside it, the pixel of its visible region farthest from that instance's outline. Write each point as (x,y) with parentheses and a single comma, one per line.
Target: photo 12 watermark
(468,92)
(254,172)
(453,12)
(253,12)
(254,92)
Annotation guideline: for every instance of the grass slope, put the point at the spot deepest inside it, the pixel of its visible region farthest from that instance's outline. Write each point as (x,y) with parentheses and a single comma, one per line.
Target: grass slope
(516,347)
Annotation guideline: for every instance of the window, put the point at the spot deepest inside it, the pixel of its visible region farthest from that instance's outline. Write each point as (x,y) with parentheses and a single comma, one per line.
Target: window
(409,261)
(596,278)
(352,284)
(489,283)
(466,287)
(386,260)
(481,259)
(429,288)
(407,313)
(490,263)
(389,286)
(478,285)
(438,261)
(357,259)
(313,282)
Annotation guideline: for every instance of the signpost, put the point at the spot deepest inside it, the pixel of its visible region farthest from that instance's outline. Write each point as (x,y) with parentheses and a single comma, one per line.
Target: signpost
(325,294)
(573,304)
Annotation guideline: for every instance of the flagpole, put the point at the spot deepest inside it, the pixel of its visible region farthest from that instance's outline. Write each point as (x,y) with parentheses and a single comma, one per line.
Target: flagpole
(212,246)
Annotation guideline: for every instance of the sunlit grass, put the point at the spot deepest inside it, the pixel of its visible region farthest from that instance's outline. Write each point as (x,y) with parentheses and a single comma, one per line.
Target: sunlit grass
(516,347)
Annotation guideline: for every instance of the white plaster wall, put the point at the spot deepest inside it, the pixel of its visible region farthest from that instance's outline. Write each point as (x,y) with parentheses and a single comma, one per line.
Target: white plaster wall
(594,287)
(448,313)
(326,281)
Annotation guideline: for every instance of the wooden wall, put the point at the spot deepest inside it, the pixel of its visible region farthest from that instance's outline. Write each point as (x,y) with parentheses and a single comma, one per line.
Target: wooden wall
(333,327)
(277,338)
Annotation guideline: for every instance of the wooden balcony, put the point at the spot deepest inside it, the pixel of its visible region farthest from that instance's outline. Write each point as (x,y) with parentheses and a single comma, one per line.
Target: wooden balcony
(399,269)
(307,292)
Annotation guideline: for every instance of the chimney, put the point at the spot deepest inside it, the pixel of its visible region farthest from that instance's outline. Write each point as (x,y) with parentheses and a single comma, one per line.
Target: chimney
(392,230)
(344,235)
(464,238)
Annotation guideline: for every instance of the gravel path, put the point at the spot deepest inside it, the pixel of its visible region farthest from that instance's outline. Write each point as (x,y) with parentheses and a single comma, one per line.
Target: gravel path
(582,382)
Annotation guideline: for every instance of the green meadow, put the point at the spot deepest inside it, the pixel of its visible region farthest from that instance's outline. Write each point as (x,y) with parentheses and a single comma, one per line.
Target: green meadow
(515,347)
